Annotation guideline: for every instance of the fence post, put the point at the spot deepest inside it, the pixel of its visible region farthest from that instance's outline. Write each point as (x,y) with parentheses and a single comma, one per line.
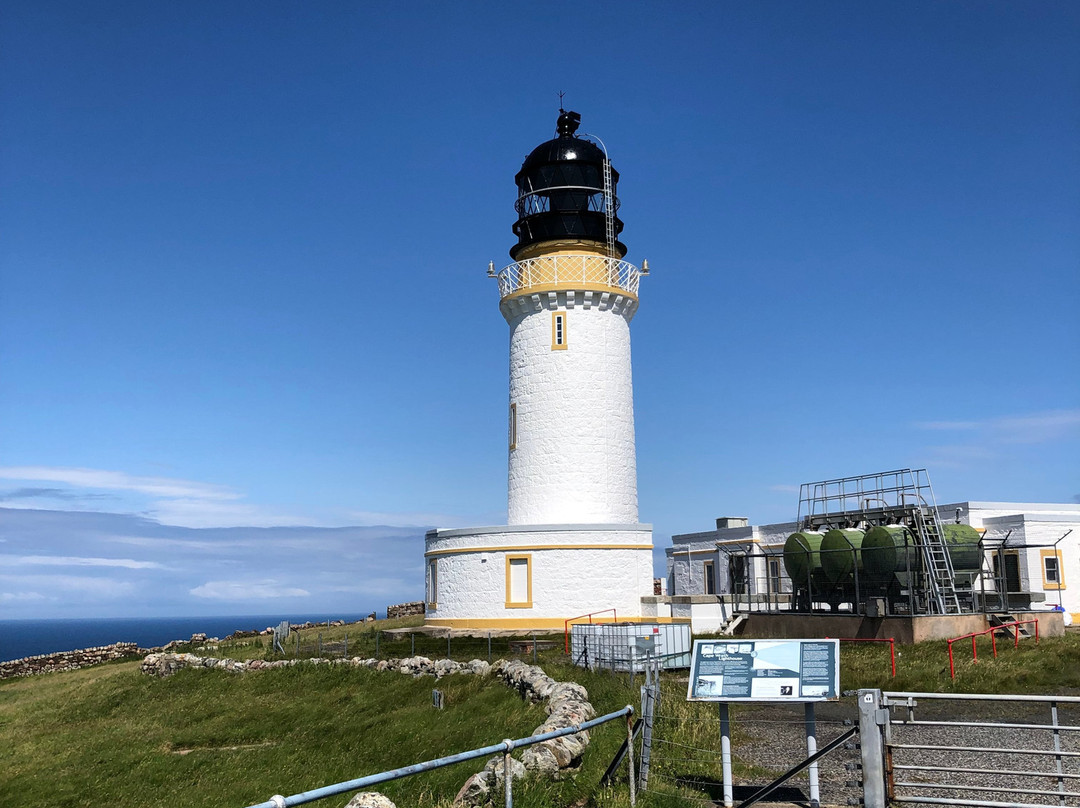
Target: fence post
(630,755)
(320,645)
(507,774)
(534,646)
(345,653)
(489,646)
(377,633)
(298,645)
(873,752)
(412,636)
(725,755)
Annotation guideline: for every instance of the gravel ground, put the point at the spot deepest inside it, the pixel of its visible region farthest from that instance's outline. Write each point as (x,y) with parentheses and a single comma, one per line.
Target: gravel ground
(773,737)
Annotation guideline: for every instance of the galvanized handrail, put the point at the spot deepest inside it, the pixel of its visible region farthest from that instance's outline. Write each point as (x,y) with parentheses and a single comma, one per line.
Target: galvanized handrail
(568,270)
(505,747)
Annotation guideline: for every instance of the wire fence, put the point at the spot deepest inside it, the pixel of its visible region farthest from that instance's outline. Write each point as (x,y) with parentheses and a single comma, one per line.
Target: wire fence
(399,645)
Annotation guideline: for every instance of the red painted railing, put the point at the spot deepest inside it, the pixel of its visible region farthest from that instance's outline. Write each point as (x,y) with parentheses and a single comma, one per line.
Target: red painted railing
(566,623)
(890,640)
(993,641)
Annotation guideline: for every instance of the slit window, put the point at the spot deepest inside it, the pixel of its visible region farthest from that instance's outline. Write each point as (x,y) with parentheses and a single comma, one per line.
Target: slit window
(512,427)
(433,582)
(558,330)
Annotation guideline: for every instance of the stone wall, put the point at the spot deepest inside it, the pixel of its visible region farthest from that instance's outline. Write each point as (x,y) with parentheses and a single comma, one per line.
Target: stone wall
(567,704)
(405,609)
(68,660)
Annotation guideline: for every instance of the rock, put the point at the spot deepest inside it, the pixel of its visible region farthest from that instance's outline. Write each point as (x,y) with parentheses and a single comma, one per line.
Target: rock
(475,791)
(369,799)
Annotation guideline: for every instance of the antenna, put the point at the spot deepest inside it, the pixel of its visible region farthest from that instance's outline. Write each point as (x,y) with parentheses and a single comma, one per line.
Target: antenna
(561,94)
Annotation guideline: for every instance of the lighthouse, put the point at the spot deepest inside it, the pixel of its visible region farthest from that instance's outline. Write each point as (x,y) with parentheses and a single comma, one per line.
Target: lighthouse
(573,544)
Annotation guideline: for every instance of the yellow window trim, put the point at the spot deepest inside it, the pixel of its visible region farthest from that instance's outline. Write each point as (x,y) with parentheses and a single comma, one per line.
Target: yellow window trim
(1050,585)
(555,344)
(526,604)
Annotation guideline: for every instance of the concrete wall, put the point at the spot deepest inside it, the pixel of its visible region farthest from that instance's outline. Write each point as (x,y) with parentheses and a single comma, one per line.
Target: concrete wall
(576,569)
(574,460)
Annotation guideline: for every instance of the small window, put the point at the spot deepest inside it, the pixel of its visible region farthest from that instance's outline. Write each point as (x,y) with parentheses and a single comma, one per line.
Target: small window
(708,574)
(433,582)
(558,330)
(774,574)
(512,427)
(1051,560)
(519,582)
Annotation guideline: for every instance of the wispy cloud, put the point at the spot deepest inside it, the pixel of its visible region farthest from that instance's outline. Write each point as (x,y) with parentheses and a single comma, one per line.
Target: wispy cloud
(247,590)
(61,587)
(1038,427)
(78,561)
(119,481)
(50,493)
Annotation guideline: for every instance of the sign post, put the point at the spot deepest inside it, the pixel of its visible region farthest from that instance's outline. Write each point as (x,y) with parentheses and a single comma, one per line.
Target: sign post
(793,671)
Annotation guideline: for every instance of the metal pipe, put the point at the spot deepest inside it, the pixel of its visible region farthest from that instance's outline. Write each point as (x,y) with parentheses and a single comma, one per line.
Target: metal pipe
(396,774)
(903,697)
(630,755)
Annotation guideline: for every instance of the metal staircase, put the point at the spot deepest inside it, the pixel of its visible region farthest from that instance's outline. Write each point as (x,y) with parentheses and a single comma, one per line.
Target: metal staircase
(940,588)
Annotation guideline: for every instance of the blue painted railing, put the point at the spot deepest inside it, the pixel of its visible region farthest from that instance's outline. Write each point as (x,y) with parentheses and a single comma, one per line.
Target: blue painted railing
(505,747)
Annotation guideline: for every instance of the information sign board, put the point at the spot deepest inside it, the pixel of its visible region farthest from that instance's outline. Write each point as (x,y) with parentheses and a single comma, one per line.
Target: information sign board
(764,670)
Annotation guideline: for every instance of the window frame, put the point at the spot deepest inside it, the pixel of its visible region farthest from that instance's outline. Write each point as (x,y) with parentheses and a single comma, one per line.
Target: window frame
(433,583)
(528,602)
(512,426)
(1059,584)
(559,323)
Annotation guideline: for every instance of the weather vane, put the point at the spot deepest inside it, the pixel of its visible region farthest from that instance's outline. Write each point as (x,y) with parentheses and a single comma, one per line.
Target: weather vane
(561,103)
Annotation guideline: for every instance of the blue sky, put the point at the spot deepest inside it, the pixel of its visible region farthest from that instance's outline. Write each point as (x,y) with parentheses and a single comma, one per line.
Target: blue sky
(249,351)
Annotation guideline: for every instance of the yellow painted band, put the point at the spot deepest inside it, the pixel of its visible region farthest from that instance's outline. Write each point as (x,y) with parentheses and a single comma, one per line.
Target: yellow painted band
(539,622)
(515,548)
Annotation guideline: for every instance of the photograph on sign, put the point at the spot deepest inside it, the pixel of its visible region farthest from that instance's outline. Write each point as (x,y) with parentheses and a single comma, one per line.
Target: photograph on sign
(764,670)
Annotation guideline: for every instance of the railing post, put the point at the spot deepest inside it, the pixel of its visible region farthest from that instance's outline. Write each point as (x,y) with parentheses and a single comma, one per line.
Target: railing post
(412,636)
(725,755)
(507,775)
(630,756)
(872,748)
(952,667)
(892,655)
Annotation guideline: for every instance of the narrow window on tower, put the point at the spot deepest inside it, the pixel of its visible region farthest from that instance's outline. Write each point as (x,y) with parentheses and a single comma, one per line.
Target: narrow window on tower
(558,331)
(433,583)
(519,582)
(512,427)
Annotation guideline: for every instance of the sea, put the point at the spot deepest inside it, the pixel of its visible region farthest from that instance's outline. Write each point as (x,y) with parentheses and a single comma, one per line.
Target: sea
(23,638)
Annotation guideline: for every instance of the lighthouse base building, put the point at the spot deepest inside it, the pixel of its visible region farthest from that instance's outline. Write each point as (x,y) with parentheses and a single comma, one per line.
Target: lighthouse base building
(573,545)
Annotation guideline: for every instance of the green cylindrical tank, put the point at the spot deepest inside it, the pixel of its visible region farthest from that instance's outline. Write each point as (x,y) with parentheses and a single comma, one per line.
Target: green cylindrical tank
(892,550)
(889,550)
(837,559)
(963,544)
(802,559)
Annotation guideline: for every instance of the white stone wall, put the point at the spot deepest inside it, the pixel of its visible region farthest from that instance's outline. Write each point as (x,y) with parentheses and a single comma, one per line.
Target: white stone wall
(566,581)
(574,461)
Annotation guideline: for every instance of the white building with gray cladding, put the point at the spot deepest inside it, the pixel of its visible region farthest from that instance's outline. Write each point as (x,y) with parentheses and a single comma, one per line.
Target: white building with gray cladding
(573,544)
(1032,547)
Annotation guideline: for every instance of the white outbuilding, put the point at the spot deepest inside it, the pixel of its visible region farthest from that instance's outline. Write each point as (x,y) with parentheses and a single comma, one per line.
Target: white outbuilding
(573,545)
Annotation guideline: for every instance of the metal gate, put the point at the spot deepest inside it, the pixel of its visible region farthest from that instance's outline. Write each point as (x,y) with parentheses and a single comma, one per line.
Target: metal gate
(999,751)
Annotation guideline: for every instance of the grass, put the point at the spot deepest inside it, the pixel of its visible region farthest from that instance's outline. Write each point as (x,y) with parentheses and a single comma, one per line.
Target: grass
(111,735)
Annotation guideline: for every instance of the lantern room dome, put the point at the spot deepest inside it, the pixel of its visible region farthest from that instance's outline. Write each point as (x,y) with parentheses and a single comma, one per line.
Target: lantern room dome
(561,195)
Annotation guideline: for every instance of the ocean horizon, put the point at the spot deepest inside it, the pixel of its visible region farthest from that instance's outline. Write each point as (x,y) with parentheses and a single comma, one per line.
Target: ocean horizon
(23,638)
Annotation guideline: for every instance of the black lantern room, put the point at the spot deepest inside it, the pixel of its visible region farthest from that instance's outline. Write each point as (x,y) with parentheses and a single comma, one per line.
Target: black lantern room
(561,192)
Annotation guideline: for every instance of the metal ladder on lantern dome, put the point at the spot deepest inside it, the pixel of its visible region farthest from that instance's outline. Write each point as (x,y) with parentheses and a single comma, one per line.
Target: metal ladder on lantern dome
(940,587)
(609,209)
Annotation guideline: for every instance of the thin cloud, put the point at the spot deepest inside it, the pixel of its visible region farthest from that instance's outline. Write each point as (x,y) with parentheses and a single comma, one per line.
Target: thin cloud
(118,481)
(79,561)
(50,493)
(63,586)
(1038,427)
(247,590)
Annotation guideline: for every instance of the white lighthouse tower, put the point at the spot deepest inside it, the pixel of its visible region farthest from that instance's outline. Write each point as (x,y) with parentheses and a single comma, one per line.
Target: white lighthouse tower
(573,545)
